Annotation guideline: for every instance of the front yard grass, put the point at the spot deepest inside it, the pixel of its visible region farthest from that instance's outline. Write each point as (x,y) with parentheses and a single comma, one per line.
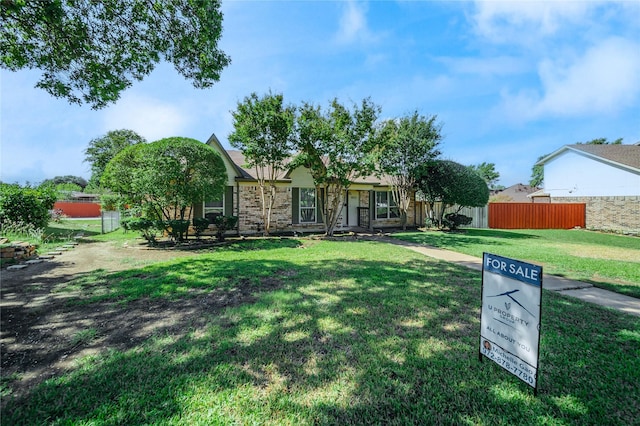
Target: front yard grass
(337,333)
(605,260)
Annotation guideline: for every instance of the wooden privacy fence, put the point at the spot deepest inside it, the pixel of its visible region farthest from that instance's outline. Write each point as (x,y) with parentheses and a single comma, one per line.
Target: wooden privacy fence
(536,216)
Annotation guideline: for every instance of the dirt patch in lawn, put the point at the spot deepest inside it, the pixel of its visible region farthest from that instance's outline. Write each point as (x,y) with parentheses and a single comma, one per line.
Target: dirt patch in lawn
(42,335)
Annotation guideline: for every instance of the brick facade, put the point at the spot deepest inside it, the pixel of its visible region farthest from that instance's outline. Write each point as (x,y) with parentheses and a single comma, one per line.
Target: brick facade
(614,214)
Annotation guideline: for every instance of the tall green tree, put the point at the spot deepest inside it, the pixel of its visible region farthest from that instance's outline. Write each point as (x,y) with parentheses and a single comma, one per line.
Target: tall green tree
(487,171)
(452,184)
(90,51)
(407,143)
(264,132)
(338,145)
(68,179)
(167,177)
(101,150)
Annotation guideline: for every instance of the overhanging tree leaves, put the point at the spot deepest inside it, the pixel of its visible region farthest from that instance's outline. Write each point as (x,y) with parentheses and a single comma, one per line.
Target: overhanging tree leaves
(167,177)
(101,150)
(264,132)
(338,145)
(487,171)
(408,143)
(452,184)
(90,51)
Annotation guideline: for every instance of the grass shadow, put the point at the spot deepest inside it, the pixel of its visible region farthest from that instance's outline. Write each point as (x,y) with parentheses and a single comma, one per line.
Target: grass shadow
(340,340)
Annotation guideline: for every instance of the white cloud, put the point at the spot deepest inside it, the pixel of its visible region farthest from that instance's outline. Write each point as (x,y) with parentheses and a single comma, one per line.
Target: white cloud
(602,81)
(512,21)
(147,116)
(353,24)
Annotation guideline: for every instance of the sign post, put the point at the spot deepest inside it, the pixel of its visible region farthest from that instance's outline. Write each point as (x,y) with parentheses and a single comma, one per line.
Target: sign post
(510,316)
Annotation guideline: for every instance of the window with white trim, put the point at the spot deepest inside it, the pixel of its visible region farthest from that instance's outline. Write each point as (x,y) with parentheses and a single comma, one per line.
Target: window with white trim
(213,209)
(386,207)
(307,205)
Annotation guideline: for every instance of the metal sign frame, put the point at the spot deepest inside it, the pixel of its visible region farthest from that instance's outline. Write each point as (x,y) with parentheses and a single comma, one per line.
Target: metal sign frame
(510,316)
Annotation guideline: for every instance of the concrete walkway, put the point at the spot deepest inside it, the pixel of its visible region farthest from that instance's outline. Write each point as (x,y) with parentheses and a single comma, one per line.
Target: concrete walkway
(578,289)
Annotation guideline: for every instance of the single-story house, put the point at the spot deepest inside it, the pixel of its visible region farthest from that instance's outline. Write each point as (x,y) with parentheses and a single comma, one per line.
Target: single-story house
(368,203)
(517,193)
(604,177)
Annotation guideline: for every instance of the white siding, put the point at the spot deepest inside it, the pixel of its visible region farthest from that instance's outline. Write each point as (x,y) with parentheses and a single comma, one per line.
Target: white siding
(571,174)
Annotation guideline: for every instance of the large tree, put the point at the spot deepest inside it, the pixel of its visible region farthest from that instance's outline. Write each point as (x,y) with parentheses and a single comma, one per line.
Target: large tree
(264,132)
(407,142)
(68,179)
(338,145)
(452,184)
(90,51)
(101,150)
(167,177)
(487,171)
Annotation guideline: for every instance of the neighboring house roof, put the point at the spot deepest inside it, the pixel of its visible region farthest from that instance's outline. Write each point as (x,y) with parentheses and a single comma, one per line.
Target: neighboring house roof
(517,193)
(624,156)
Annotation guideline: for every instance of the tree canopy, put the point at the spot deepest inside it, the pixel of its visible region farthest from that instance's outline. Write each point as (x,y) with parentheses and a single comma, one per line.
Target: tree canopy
(452,184)
(90,51)
(338,145)
(264,132)
(487,171)
(101,150)
(68,179)
(407,143)
(26,205)
(167,177)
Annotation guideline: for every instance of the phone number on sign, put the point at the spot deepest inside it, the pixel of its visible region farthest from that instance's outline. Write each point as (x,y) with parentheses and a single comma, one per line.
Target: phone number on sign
(512,364)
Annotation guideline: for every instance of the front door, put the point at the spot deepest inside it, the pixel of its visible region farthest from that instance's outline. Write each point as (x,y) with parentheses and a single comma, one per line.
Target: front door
(353,202)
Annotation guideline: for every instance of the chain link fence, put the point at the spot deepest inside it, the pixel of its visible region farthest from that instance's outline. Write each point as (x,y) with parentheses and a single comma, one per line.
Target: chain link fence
(110,221)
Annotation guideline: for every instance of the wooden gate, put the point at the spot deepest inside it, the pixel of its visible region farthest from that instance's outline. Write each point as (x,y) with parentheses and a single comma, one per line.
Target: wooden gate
(536,216)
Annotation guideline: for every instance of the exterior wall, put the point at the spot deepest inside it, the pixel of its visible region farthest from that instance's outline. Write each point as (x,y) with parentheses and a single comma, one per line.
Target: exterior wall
(571,174)
(412,215)
(249,211)
(618,214)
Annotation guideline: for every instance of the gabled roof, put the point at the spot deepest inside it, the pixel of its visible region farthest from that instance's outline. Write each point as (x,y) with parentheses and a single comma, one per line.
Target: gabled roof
(250,173)
(625,156)
(215,143)
(517,193)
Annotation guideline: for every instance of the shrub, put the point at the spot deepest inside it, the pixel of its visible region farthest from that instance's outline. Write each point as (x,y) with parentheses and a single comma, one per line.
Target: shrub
(176,228)
(27,205)
(224,223)
(200,224)
(146,227)
(454,220)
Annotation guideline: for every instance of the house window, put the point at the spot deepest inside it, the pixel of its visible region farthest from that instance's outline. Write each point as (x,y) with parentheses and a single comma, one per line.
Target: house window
(386,207)
(213,209)
(307,205)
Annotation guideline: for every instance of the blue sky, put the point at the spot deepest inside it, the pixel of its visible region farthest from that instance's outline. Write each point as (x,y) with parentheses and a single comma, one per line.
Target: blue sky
(509,80)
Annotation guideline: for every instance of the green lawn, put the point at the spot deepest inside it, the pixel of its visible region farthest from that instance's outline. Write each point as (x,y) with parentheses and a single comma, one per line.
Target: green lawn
(606,260)
(338,333)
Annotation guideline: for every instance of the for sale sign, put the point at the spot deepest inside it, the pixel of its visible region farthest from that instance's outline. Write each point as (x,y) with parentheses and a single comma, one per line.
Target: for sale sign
(510,316)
